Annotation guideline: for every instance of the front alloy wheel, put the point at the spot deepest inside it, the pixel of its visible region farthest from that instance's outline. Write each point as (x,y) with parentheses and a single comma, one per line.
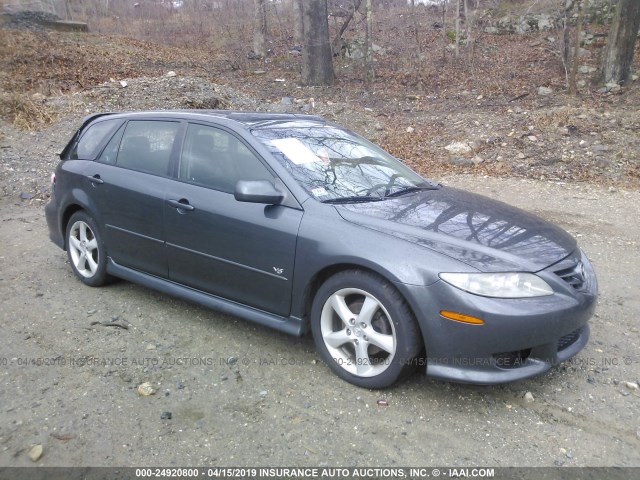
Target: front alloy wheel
(364,329)
(357,332)
(85,250)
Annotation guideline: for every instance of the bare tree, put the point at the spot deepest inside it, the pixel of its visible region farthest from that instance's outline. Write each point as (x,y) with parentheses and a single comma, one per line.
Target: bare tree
(67,10)
(444,32)
(573,86)
(317,66)
(345,24)
(298,30)
(260,28)
(468,19)
(416,32)
(621,42)
(568,6)
(457,27)
(368,57)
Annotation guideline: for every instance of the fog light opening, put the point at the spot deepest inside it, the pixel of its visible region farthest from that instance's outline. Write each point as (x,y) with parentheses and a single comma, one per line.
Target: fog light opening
(512,359)
(461,317)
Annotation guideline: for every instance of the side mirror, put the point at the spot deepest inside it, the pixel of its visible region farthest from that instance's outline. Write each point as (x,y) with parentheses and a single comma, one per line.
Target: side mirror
(257,191)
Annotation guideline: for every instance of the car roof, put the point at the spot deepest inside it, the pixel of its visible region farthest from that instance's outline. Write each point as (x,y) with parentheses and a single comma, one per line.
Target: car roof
(248,119)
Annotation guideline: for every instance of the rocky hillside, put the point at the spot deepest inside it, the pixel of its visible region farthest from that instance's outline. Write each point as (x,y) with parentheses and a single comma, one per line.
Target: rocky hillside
(506,113)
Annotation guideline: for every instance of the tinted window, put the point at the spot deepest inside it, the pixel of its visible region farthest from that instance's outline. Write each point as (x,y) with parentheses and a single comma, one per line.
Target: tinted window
(88,146)
(146,145)
(216,159)
(110,152)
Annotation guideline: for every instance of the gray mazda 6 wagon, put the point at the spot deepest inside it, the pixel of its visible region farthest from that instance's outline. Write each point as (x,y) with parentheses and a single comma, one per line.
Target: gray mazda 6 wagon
(299,224)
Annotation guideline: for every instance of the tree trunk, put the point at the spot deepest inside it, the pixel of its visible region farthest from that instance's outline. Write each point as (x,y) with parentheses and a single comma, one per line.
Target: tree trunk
(575,60)
(566,38)
(457,27)
(317,66)
(298,30)
(368,43)
(67,10)
(621,42)
(260,28)
(468,18)
(416,32)
(444,32)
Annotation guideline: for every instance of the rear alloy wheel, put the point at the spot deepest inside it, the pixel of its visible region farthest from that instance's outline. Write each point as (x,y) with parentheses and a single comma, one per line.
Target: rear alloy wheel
(364,329)
(86,251)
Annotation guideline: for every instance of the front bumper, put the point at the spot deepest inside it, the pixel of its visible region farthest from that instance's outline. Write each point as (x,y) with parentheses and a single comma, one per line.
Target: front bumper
(520,337)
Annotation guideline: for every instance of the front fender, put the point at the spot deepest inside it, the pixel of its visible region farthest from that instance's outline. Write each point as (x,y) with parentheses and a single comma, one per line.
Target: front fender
(327,242)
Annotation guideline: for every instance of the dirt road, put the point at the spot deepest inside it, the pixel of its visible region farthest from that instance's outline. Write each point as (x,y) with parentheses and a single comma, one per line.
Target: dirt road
(240,394)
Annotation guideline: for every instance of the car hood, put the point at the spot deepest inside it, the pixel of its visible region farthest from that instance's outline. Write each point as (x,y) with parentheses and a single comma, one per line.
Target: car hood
(486,234)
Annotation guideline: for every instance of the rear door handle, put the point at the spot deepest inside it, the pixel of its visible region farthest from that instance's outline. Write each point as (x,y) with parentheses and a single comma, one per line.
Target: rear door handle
(96,180)
(182,204)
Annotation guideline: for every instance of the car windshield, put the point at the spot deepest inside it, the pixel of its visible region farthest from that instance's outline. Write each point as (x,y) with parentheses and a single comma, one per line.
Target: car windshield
(335,165)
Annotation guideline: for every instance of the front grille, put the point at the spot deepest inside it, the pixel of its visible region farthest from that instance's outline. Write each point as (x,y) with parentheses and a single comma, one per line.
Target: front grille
(571,270)
(568,340)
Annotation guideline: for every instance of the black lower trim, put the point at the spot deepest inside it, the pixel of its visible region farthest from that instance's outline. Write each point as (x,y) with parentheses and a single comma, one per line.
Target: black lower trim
(290,325)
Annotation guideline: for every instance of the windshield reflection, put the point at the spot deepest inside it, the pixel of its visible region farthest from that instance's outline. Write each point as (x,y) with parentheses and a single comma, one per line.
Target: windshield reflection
(332,163)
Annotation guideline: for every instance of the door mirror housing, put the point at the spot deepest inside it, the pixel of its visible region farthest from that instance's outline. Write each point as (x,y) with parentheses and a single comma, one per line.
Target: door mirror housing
(258,191)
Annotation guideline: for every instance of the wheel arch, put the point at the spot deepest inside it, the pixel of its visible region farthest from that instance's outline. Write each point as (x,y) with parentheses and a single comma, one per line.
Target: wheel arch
(68,212)
(325,273)
(75,201)
(88,260)
(407,351)
(65,217)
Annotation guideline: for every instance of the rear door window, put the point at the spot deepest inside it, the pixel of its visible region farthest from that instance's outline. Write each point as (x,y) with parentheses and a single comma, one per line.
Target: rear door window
(147,144)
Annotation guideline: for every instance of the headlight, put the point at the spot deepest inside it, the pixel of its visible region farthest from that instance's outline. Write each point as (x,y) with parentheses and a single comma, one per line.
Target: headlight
(500,285)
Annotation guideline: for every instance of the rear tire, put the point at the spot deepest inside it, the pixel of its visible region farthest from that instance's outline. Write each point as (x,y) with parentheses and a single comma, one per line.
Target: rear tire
(86,251)
(364,329)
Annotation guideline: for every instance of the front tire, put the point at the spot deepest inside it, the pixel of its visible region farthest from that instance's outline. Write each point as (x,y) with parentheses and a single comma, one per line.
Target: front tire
(86,251)
(364,330)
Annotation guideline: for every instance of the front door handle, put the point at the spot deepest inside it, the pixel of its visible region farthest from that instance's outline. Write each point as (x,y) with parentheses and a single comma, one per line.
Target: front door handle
(96,180)
(182,204)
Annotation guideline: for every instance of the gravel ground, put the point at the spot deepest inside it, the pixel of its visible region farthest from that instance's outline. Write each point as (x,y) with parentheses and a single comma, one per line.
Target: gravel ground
(239,394)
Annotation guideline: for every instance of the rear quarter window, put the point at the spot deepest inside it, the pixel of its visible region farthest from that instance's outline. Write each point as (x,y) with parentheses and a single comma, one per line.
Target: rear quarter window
(88,147)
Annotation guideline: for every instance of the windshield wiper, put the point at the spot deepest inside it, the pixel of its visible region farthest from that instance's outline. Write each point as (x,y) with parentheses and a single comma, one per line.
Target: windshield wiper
(354,199)
(412,189)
